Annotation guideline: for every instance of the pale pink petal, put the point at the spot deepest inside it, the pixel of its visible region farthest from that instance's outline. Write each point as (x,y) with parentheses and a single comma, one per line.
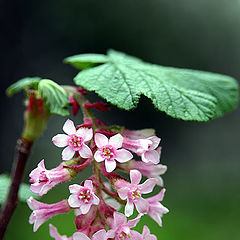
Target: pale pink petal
(37,223)
(123,193)
(60,140)
(85,208)
(85,133)
(54,233)
(159,181)
(110,233)
(42,165)
(141,205)
(152,156)
(116,141)
(80,236)
(73,201)
(98,157)
(85,151)
(37,188)
(157,218)
(100,235)
(74,188)
(159,197)
(129,208)
(133,222)
(135,177)
(123,155)
(119,219)
(95,199)
(100,140)
(155,142)
(67,153)
(88,184)
(110,165)
(69,127)
(148,185)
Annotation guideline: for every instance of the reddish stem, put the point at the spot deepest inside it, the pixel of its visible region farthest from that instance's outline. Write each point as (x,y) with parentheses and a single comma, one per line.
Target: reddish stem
(23,151)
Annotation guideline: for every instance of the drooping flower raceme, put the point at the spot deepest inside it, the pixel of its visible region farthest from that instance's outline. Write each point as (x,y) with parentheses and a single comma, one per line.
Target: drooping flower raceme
(42,180)
(133,191)
(82,197)
(75,140)
(96,200)
(109,151)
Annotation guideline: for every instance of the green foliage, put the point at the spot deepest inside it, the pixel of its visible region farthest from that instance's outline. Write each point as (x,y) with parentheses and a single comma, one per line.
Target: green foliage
(180,93)
(24,192)
(84,61)
(55,96)
(22,84)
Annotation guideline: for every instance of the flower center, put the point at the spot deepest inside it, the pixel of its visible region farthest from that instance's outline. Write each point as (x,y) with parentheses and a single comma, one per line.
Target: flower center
(123,236)
(43,177)
(85,195)
(75,142)
(135,193)
(108,152)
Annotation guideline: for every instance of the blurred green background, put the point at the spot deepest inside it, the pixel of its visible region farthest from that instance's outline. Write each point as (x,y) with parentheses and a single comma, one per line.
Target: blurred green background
(202,181)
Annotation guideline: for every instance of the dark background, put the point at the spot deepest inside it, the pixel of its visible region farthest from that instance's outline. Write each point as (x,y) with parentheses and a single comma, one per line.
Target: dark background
(203,179)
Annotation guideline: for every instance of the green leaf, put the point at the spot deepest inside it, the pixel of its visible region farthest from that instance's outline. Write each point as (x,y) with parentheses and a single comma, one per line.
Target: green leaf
(55,96)
(84,61)
(22,84)
(23,194)
(180,93)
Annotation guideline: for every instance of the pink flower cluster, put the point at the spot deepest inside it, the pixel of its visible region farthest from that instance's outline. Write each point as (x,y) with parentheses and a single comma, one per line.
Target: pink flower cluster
(96,202)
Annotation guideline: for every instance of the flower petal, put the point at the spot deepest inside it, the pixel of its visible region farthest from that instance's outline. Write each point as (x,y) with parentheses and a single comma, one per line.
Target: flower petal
(148,185)
(152,156)
(100,140)
(159,197)
(155,142)
(60,140)
(141,205)
(85,133)
(85,208)
(119,219)
(74,188)
(133,222)
(110,165)
(99,235)
(113,203)
(98,157)
(85,151)
(73,201)
(80,236)
(54,233)
(135,177)
(69,127)
(123,155)
(129,208)
(88,184)
(67,153)
(116,141)
(123,193)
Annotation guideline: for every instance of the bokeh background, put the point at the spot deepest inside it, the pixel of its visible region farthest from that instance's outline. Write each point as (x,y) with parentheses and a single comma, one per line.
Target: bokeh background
(203,180)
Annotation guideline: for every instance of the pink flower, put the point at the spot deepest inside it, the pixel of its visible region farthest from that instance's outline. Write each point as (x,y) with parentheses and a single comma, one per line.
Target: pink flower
(42,211)
(99,235)
(146,148)
(133,192)
(109,151)
(147,169)
(42,180)
(121,229)
(138,134)
(82,197)
(75,140)
(54,234)
(156,209)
